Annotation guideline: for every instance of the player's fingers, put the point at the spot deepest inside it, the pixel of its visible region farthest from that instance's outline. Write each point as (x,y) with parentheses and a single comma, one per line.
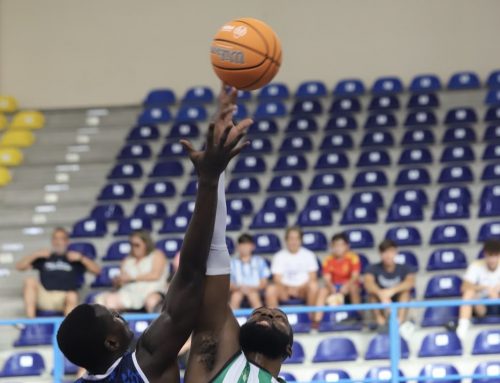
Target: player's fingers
(234,142)
(187,145)
(238,150)
(211,135)
(227,113)
(225,134)
(243,125)
(233,95)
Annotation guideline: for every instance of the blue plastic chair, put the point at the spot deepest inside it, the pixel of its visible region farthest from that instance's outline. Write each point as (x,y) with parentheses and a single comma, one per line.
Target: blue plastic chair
(89,228)
(35,335)
(447,259)
(443,286)
(387,85)
(243,185)
(269,220)
(154,116)
(413,176)
(414,195)
(439,373)
(183,129)
(439,316)
(143,132)
(379,348)
(266,243)
(338,160)
(425,83)
(240,205)
(298,355)
(345,105)
(381,120)
(117,250)
(359,214)
(158,189)
(341,122)
(151,210)
(170,246)
(491,172)
(135,152)
(172,150)
(116,191)
(449,234)
(489,230)
(459,134)
(285,183)
(283,203)
(490,369)
(456,173)
(381,374)
(250,164)
(270,109)
(440,344)
(404,236)
(375,157)
(492,133)
(418,137)
(349,88)
(159,98)
(324,200)
(492,97)
(331,375)
(424,100)
(405,212)
(335,350)
(450,210)
(327,181)
(168,168)
(291,162)
(360,238)
(260,145)
(307,108)
(106,276)
(85,248)
(370,198)
(274,91)
(370,178)
(464,80)
(314,217)
(420,118)
(487,342)
(314,241)
(337,141)
(198,94)
(191,113)
(311,89)
(128,225)
(263,127)
(371,139)
(415,156)
(492,114)
(460,115)
(459,194)
(23,364)
(301,125)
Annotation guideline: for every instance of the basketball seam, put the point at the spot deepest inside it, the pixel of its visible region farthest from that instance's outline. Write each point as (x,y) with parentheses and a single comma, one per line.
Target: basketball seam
(263,39)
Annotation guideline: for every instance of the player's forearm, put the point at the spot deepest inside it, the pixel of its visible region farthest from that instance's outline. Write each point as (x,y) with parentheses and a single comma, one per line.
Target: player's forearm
(25,263)
(90,265)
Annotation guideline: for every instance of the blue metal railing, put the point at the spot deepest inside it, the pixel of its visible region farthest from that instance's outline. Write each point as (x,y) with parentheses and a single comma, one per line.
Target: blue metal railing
(394,338)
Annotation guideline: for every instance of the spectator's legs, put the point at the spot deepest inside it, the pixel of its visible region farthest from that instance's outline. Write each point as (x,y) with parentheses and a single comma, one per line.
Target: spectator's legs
(254,299)
(355,294)
(110,300)
(378,314)
(403,296)
(275,294)
(323,294)
(152,301)
(312,293)
(70,301)
(30,294)
(236,299)
(466,311)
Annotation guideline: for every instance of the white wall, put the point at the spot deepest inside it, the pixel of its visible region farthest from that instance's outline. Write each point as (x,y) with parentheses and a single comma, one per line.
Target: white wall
(105,52)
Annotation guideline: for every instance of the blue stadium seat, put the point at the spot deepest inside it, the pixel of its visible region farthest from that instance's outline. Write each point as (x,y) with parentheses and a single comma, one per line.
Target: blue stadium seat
(491,152)
(169,168)
(359,214)
(490,369)
(89,228)
(23,364)
(243,185)
(230,245)
(170,246)
(370,198)
(302,125)
(241,205)
(191,113)
(491,172)
(456,173)
(331,375)
(291,162)
(377,139)
(274,91)
(418,137)
(459,134)
(263,126)
(259,146)
(421,118)
(379,348)
(447,259)
(424,100)
(337,141)
(154,116)
(381,375)
(404,236)
(138,326)
(493,80)
(407,258)
(492,114)
(183,130)
(349,88)
(462,153)
(152,210)
(307,108)
(250,164)
(450,210)
(267,109)
(405,212)
(338,160)
(464,80)
(158,189)
(241,112)
(491,192)
(159,98)
(70,368)
(287,377)
(311,89)
(125,171)
(380,120)
(86,248)
(340,321)
(143,132)
(198,94)
(341,122)
(417,196)
(135,152)
(360,238)
(345,105)
(191,189)
(117,250)
(301,324)
(440,344)
(286,183)
(460,115)
(233,221)
(375,157)
(266,243)
(296,144)
(415,156)
(172,150)
(439,373)
(116,191)
(176,223)
(298,355)
(127,225)
(387,85)
(106,276)
(107,212)
(314,241)
(283,203)
(265,219)
(492,97)
(443,286)
(413,176)
(335,350)
(35,335)
(487,342)
(369,178)
(314,217)
(444,234)
(439,316)
(489,230)
(425,83)
(454,193)
(327,181)
(324,200)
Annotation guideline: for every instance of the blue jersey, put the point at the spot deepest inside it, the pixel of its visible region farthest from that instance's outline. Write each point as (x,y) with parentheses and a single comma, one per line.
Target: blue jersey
(125,370)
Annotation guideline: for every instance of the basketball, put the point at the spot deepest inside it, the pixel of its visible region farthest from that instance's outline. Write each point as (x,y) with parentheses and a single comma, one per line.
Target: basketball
(246,53)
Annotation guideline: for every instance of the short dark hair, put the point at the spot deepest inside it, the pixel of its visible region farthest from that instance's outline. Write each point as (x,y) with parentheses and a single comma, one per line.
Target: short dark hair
(245,238)
(387,244)
(340,237)
(491,247)
(81,337)
(296,228)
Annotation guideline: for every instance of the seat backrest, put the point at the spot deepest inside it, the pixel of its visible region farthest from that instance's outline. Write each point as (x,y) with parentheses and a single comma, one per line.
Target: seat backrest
(487,342)
(440,344)
(443,286)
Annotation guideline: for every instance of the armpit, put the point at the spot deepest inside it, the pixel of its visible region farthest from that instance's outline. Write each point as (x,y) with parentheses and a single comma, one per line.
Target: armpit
(207,351)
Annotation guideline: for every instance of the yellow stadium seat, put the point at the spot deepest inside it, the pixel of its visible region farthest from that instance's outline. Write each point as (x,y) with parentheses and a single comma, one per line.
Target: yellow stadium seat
(28,120)
(3,121)
(5,176)
(10,157)
(17,139)
(8,104)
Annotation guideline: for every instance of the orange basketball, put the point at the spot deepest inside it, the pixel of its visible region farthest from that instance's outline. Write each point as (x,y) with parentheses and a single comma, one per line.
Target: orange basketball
(246,53)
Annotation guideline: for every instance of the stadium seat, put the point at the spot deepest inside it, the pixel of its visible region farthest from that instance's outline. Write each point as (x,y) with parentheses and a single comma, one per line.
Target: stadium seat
(127,225)
(8,104)
(241,111)
(270,109)
(250,164)
(198,95)
(17,139)
(230,245)
(444,234)
(345,105)
(381,120)
(456,173)
(154,116)
(335,350)
(176,223)
(263,126)
(125,171)
(143,133)
(381,375)
(172,150)
(283,203)
(425,83)
(490,369)
(337,141)
(135,152)
(491,192)
(243,185)
(440,344)
(440,316)
(487,342)
(360,238)
(85,248)
(117,250)
(259,146)
(106,276)
(443,286)
(447,259)
(242,205)
(493,80)
(296,144)
(265,219)
(374,158)
(460,115)
(307,108)
(23,364)
(5,176)
(266,243)
(138,326)
(489,230)
(10,157)
(416,196)
(314,241)
(387,85)
(405,212)
(338,160)
(290,162)
(492,97)
(491,152)
(331,375)
(27,120)
(439,373)
(287,377)
(168,168)
(463,153)
(286,183)
(359,214)
(334,321)
(274,91)
(314,217)
(311,90)
(424,100)
(464,80)
(158,189)
(404,236)
(186,207)
(190,189)
(233,221)
(370,198)
(35,335)
(377,139)
(341,122)
(89,228)
(191,113)
(349,88)
(183,130)
(301,324)
(324,200)
(459,134)
(450,210)
(491,172)
(459,194)
(407,258)
(159,98)
(116,191)
(418,137)
(492,114)
(327,181)
(379,348)
(298,354)
(301,125)
(170,246)
(151,210)
(370,178)
(415,156)
(413,176)
(70,368)
(420,118)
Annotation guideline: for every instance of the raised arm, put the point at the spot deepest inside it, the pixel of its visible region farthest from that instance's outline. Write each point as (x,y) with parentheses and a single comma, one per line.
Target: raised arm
(26,262)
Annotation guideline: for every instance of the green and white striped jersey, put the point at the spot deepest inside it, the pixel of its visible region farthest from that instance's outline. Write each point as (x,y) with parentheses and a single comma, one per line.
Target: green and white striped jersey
(240,370)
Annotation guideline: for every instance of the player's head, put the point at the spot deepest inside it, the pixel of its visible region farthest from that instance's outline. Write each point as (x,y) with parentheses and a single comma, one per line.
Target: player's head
(141,243)
(491,249)
(60,240)
(92,335)
(246,245)
(293,238)
(388,251)
(340,244)
(267,332)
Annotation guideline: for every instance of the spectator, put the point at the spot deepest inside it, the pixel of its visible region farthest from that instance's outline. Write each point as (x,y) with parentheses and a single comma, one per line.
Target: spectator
(294,272)
(341,272)
(249,274)
(154,301)
(388,282)
(60,276)
(481,281)
(142,273)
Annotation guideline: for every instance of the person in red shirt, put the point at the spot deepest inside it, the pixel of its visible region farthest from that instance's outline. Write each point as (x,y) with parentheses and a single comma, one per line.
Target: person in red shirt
(341,272)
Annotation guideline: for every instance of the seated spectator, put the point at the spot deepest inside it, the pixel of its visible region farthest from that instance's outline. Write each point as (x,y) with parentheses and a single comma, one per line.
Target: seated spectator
(249,274)
(154,301)
(143,272)
(60,276)
(481,281)
(294,272)
(341,272)
(388,282)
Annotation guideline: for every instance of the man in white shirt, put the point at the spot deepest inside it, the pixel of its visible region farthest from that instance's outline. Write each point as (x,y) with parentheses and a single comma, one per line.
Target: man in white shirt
(294,272)
(481,281)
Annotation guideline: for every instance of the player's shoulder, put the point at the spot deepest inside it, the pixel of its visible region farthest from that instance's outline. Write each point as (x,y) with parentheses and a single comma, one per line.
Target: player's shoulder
(305,251)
